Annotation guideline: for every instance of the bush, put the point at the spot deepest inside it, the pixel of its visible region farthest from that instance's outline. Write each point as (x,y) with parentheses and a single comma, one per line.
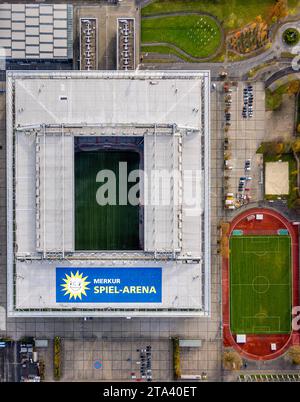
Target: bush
(57,358)
(294,354)
(280,9)
(272,148)
(291,36)
(232,361)
(296,145)
(42,369)
(176,359)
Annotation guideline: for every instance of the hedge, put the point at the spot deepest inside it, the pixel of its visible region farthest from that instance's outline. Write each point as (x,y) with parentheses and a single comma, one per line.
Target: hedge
(176,359)
(57,358)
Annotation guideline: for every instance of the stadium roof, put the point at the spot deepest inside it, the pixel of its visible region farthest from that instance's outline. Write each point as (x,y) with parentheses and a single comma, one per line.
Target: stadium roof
(45,111)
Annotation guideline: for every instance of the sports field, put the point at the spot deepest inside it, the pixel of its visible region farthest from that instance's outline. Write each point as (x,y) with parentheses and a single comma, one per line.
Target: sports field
(103,227)
(260,284)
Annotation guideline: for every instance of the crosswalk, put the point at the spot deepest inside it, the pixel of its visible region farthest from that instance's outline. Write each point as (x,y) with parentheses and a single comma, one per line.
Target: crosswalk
(269,378)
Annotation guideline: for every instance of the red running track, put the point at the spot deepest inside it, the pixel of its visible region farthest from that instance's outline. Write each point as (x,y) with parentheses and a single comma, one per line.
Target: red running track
(258,347)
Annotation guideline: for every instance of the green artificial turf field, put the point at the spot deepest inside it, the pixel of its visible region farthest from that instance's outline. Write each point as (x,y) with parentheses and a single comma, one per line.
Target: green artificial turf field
(260,284)
(109,227)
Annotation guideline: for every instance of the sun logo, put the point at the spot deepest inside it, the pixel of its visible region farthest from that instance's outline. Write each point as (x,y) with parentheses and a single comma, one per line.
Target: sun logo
(75,285)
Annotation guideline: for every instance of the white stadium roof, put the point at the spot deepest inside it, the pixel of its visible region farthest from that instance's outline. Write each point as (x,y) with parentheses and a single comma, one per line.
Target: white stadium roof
(45,111)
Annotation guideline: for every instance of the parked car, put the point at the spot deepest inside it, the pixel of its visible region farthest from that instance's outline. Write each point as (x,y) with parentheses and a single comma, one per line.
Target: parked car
(230,206)
(248,165)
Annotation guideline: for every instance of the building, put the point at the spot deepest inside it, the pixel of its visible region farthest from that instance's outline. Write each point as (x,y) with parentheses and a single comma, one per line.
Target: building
(88,44)
(36,32)
(125,44)
(71,254)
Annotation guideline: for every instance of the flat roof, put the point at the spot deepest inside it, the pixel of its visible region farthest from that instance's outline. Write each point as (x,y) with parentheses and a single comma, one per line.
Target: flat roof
(110,98)
(19,23)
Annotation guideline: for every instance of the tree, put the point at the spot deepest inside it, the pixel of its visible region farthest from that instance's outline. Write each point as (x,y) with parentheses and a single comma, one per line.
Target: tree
(279,148)
(294,354)
(232,361)
(280,9)
(291,36)
(176,358)
(293,87)
(272,148)
(296,145)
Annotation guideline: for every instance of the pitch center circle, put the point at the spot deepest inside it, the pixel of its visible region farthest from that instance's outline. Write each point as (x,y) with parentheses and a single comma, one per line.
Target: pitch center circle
(261,284)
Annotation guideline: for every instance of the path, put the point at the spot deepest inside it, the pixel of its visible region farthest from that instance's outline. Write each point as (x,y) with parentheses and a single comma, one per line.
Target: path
(239,69)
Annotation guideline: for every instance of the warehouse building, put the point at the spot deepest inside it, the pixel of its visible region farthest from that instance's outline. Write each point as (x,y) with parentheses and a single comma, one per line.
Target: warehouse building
(36,32)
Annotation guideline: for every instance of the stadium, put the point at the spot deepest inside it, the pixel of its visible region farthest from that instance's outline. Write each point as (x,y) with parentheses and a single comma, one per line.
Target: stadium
(102,168)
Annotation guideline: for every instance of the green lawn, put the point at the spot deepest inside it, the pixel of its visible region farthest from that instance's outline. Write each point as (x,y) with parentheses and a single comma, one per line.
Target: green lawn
(234,13)
(109,227)
(166,51)
(260,284)
(199,36)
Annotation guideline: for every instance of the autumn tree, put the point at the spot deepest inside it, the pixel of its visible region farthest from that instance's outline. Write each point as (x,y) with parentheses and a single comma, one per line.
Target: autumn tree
(279,10)
(232,361)
(296,145)
(294,354)
(293,87)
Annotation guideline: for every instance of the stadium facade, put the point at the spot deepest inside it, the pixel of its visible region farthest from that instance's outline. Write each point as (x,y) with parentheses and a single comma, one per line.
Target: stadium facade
(70,255)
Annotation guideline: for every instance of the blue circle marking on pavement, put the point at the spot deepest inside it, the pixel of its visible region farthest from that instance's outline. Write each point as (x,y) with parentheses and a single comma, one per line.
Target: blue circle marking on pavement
(97,364)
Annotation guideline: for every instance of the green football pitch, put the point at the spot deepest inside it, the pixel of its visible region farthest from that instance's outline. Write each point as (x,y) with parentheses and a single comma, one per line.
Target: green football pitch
(103,227)
(260,284)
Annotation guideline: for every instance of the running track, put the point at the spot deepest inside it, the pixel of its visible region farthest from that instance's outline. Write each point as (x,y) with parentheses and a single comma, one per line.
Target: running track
(258,347)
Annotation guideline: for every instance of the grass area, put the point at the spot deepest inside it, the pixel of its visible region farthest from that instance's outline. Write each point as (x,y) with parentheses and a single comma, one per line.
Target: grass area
(199,36)
(108,227)
(274,99)
(260,284)
(165,50)
(233,13)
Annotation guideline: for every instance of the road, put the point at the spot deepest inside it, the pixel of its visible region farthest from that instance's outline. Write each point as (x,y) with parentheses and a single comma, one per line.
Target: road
(9,366)
(236,70)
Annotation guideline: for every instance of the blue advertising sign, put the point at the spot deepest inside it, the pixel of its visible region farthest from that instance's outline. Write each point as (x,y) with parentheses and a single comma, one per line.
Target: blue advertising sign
(108,285)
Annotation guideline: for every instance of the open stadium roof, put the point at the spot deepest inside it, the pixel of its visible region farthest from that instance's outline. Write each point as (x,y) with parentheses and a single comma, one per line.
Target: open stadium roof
(45,112)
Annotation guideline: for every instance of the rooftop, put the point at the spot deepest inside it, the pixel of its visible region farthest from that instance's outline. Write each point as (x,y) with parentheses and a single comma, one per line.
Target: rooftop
(46,110)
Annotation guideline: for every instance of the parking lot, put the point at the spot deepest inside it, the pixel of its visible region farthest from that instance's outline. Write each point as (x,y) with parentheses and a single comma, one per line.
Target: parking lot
(244,137)
(116,360)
